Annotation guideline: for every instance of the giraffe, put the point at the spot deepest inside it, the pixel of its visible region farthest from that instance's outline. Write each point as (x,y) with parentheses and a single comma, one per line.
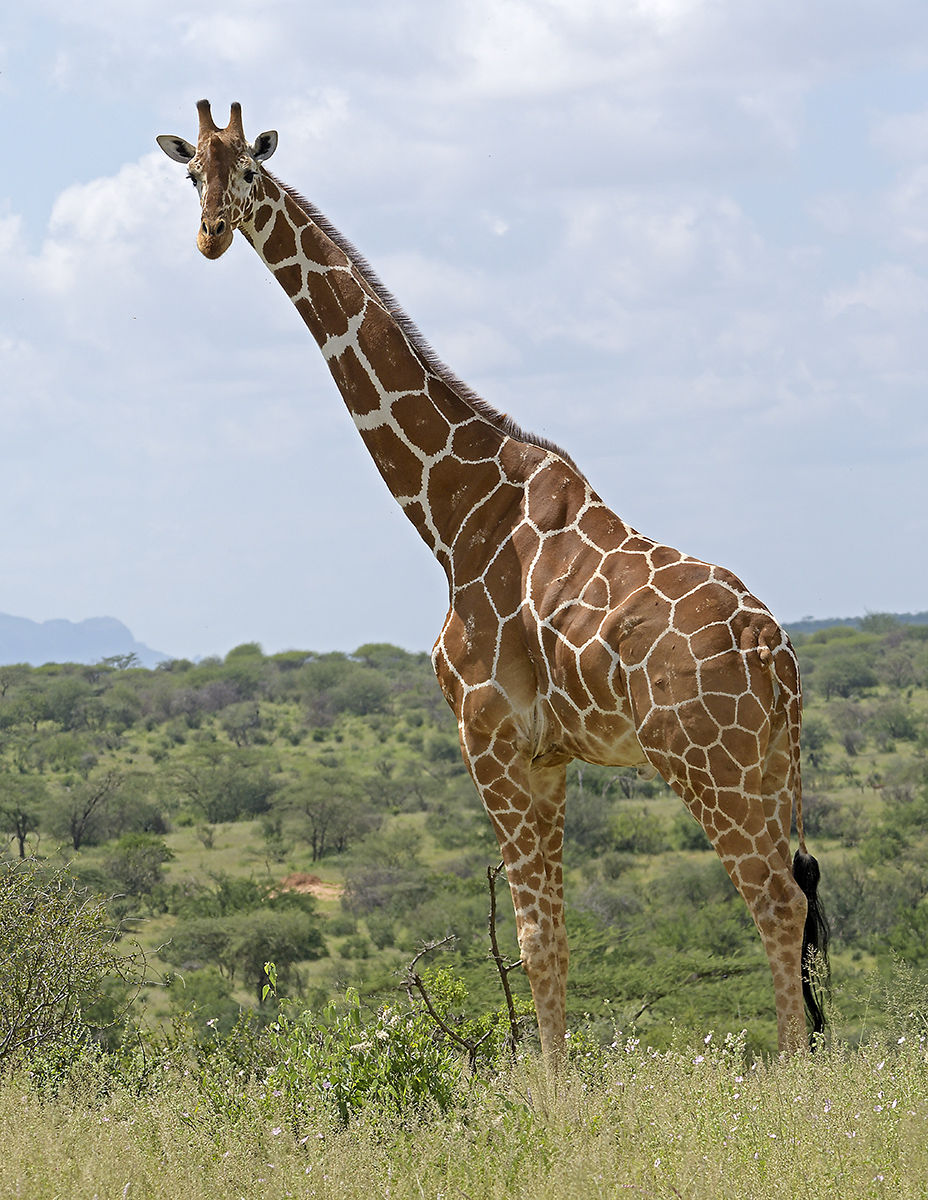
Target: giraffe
(569,634)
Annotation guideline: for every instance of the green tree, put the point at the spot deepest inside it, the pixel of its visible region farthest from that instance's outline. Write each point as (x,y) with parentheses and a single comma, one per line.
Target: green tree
(326,807)
(137,863)
(224,783)
(79,809)
(845,675)
(22,798)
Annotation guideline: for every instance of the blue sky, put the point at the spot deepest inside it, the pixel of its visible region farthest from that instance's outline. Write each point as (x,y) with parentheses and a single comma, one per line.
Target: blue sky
(686,239)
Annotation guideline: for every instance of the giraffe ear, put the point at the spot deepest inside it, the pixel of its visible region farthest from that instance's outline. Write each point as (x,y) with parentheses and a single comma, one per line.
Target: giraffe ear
(176,148)
(265,145)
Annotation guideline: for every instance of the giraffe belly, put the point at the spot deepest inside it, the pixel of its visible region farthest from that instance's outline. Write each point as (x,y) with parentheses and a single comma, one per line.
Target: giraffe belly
(595,735)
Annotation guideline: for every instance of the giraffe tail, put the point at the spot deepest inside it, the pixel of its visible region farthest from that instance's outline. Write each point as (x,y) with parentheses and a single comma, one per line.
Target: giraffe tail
(815,937)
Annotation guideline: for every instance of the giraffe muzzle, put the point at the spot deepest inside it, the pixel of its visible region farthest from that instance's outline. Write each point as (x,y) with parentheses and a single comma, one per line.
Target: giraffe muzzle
(214,237)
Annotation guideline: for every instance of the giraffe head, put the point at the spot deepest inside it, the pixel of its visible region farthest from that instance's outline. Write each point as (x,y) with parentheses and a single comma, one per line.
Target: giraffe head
(225,170)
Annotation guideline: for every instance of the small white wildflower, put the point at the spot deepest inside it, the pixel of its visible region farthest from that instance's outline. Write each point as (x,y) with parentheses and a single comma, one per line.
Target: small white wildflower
(707,1039)
(901,1040)
(276,1131)
(699,1058)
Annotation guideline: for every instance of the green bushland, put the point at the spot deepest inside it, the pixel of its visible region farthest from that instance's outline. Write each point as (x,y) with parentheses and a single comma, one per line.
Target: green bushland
(194,797)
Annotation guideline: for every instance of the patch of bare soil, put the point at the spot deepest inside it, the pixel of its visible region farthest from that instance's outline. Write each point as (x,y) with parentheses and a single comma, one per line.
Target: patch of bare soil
(300,881)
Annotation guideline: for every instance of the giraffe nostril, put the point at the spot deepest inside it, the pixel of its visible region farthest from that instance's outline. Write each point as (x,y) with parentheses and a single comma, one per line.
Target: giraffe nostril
(220,226)
(203,229)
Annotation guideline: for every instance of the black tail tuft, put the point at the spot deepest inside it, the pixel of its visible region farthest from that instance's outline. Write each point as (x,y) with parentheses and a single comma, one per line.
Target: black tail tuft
(814,937)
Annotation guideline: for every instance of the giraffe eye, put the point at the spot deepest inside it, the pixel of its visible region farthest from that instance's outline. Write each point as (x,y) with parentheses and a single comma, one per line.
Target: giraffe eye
(192,178)
(249,175)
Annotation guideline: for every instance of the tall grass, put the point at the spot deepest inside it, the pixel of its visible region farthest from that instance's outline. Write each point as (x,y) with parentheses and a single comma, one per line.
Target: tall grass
(694,1121)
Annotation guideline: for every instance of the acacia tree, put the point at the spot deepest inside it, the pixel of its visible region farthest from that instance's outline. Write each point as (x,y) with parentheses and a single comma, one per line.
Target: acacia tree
(325,808)
(78,810)
(21,801)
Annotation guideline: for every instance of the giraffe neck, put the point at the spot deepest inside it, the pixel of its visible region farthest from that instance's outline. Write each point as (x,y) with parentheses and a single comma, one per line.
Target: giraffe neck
(437,445)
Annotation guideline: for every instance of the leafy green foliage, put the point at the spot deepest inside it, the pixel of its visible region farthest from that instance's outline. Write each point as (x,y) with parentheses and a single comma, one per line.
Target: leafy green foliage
(59,960)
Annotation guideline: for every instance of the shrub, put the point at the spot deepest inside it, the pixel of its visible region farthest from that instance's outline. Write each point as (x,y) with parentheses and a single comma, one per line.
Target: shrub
(59,960)
(395,1061)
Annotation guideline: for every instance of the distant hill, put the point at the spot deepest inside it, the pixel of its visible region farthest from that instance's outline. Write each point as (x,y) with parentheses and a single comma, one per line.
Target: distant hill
(38,642)
(811,625)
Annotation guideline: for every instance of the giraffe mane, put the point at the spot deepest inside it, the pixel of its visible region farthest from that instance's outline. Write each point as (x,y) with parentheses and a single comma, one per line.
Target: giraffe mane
(482,408)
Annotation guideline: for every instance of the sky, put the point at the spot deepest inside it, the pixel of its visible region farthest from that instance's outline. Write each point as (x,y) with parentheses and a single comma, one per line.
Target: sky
(685,239)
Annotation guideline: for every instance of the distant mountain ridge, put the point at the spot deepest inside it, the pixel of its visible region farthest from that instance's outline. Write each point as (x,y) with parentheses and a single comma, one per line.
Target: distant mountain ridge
(89,641)
(38,642)
(812,624)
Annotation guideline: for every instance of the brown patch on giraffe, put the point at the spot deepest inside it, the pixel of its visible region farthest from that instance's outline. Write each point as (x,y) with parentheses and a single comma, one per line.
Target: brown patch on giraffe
(311,319)
(722,708)
(401,469)
(398,368)
(662,556)
(568,678)
(711,641)
(627,575)
(737,844)
(676,581)
(507,821)
(447,401)
(503,582)
(750,713)
(610,729)
(698,723)
(486,525)
(280,244)
(598,681)
(603,528)
(726,771)
(515,676)
(290,278)
(450,498)
(553,496)
(422,425)
(707,604)
(354,383)
(596,593)
(329,305)
(351,296)
(518,460)
(476,441)
(262,216)
(741,745)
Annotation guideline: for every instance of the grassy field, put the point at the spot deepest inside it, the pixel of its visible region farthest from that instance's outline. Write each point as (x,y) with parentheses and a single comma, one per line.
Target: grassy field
(689,1122)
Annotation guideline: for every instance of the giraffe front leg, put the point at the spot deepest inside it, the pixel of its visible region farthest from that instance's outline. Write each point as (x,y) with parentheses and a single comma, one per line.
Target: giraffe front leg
(526,808)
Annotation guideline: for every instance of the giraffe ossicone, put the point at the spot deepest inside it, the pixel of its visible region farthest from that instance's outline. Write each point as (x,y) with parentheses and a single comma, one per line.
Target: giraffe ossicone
(569,634)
